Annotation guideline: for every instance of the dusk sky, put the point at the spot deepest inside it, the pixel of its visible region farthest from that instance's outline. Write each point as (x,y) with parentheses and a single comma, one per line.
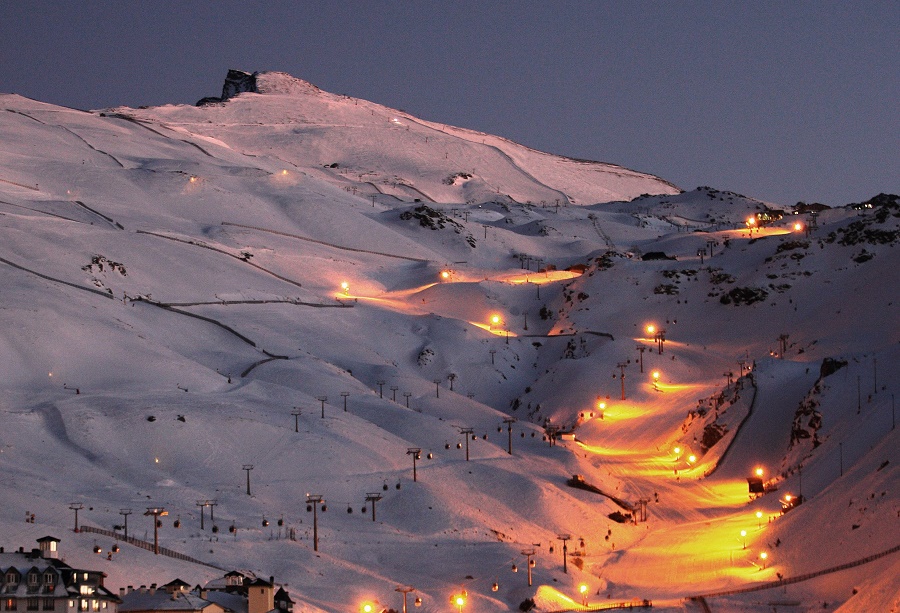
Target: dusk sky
(782,101)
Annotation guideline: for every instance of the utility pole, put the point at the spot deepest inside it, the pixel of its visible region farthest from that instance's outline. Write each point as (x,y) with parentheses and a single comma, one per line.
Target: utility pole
(407,395)
(728,378)
(76,506)
(742,363)
(322,399)
(296,413)
(156,512)
(437,388)
(125,513)
(313,500)
(344,395)
(509,421)
(466,432)
(492,352)
(373,498)
(248,468)
(416,453)
(394,389)
(212,507)
(642,349)
(380,385)
(565,549)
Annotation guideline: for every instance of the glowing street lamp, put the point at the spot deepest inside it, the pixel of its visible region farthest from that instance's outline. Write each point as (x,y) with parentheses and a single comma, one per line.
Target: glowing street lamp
(445,275)
(759,472)
(656,380)
(764,557)
(459,600)
(496,320)
(583,590)
(651,329)
(759,520)
(798,227)
(692,458)
(744,538)
(346,287)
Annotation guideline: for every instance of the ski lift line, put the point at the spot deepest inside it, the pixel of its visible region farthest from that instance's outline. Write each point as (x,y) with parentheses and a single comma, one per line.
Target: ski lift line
(222,251)
(28,208)
(137,122)
(339,305)
(31,187)
(312,240)
(48,278)
(109,220)
(203,318)
(805,577)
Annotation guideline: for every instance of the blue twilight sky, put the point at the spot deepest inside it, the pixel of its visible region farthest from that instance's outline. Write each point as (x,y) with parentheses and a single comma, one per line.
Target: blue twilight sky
(783,101)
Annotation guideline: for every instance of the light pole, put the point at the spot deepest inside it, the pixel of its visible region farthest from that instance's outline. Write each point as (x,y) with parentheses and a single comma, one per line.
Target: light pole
(344,395)
(642,349)
(322,399)
(394,389)
(296,413)
(407,395)
(380,385)
(312,502)
(416,453)
(437,388)
(248,468)
(583,590)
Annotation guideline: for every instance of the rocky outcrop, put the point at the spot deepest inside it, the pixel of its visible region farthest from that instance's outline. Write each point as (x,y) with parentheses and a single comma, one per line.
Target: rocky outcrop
(236,82)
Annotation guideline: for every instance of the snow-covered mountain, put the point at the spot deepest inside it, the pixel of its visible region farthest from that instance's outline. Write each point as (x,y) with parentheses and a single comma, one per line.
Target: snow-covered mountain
(174,330)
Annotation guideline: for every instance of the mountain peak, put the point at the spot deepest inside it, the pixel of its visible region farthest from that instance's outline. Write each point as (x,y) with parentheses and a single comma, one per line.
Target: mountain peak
(239,81)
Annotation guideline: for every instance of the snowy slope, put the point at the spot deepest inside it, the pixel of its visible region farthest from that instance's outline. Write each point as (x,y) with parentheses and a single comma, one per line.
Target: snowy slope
(171,294)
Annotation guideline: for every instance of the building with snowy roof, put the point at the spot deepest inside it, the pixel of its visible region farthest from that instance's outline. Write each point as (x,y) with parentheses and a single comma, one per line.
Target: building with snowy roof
(37,580)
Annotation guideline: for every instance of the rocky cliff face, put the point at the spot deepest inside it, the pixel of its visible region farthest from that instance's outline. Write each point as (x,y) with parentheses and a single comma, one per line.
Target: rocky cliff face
(236,82)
